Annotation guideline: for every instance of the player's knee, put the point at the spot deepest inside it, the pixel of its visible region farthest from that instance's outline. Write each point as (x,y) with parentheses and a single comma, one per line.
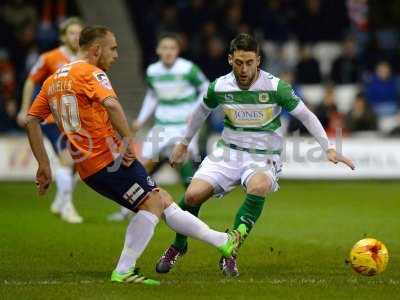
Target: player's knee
(192,198)
(166,198)
(153,203)
(259,186)
(65,159)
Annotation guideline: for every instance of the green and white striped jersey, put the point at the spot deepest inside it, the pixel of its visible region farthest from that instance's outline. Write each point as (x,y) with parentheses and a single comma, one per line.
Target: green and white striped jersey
(252,117)
(176,89)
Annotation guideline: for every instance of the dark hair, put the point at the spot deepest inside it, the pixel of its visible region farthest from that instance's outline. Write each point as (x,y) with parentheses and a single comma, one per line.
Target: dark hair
(245,42)
(63,27)
(169,35)
(360,95)
(91,33)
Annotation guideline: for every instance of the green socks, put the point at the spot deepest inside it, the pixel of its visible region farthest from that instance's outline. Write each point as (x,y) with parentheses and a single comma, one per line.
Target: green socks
(249,212)
(181,240)
(186,172)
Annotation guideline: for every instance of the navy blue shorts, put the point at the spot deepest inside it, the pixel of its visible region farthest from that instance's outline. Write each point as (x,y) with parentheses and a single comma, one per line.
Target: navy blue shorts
(128,186)
(57,139)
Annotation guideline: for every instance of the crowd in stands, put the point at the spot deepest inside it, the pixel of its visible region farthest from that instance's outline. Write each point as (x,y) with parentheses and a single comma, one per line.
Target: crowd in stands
(318,44)
(321,43)
(27,28)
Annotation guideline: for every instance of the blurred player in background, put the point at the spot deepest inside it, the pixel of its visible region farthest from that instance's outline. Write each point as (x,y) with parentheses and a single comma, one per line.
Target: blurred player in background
(175,86)
(47,64)
(249,152)
(106,162)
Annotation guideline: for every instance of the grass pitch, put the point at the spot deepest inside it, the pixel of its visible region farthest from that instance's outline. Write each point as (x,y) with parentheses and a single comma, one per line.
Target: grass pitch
(296,251)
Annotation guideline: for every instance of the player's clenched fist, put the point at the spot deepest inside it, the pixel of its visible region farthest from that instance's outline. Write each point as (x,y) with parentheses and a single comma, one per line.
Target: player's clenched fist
(43,179)
(128,155)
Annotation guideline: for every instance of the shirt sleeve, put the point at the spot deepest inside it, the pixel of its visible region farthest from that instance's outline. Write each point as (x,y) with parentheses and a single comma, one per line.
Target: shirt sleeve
(149,81)
(287,98)
(196,76)
(40,70)
(313,125)
(98,87)
(148,107)
(40,107)
(210,99)
(196,120)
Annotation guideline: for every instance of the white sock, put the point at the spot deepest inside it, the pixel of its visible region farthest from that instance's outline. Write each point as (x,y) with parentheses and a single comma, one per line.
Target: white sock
(65,183)
(124,211)
(138,234)
(185,223)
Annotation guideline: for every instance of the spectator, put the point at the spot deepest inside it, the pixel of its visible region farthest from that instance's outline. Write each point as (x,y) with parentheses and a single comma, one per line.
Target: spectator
(194,15)
(357,11)
(307,69)
(337,125)
(8,106)
(345,68)
(275,61)
(381,91)
(207,31)
(294,124)
(213,60)
(274,22)
(169,20)
(327,108)
(396,130)
(232,19)
(361,117)
(331,119)
(320,20)
(309,18)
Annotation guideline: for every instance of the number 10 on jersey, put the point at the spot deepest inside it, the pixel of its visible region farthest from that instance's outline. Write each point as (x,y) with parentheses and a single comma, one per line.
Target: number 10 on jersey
(66,112)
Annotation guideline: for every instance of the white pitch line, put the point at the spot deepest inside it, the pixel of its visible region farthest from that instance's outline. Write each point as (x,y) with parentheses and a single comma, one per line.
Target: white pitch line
(305,281)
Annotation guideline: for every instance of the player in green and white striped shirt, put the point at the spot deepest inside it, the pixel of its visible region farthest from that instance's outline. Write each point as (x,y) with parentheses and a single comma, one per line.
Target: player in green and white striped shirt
(251,143)
(175,87)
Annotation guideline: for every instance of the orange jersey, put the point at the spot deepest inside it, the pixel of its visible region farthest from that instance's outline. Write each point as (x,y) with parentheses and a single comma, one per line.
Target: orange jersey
(48,63)
(74,95)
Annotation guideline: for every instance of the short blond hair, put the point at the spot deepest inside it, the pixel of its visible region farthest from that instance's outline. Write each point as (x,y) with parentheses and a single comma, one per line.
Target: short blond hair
(63,27)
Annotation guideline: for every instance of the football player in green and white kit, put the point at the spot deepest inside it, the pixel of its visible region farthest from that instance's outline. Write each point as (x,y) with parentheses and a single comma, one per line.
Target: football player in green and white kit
(251,143)
(175,87)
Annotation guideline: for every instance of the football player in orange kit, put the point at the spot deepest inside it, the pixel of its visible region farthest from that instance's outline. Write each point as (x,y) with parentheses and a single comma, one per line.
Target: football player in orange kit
(86,109)
(47,64)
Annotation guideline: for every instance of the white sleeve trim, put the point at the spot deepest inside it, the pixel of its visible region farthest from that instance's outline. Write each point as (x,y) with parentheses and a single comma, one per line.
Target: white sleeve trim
(313,125)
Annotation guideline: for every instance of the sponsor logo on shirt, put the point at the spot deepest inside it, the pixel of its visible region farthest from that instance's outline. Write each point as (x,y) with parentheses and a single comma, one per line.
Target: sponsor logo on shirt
(228,97)
(62,72)
(263,97)
(249,115)
(103,79)
(150,181)
(247,220)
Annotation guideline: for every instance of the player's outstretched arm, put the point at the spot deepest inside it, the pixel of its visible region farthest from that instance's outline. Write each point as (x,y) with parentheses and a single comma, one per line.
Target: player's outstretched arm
(120,124)
(43,175)
(196,120)
(314,127)
(27,92)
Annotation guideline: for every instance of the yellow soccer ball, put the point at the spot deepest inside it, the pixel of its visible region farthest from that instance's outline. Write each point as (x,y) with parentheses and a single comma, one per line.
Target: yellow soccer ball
(369,257)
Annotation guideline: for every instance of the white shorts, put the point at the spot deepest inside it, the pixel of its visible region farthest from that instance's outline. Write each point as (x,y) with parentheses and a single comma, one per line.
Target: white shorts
(226,168)
(161,139)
